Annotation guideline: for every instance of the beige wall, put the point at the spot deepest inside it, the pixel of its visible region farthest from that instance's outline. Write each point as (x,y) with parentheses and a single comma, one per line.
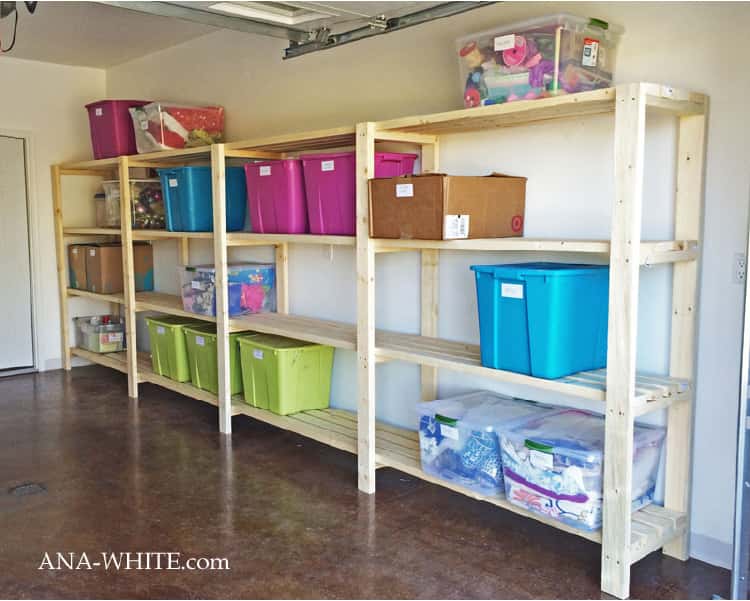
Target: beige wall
(697,46)
(45,101)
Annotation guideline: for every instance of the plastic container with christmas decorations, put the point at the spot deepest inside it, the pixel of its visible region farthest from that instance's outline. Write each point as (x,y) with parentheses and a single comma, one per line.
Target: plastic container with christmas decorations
(146,200)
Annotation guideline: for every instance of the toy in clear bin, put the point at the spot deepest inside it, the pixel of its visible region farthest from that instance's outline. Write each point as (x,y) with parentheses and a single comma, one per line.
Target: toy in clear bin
(166,126)
(458,438)
(251,288)
(537,58)
(146,199)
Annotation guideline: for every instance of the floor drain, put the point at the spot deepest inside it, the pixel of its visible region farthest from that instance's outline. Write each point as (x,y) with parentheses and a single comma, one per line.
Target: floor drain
(29,488)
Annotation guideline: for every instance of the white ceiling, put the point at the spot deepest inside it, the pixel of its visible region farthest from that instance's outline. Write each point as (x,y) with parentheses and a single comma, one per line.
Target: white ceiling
(92,35)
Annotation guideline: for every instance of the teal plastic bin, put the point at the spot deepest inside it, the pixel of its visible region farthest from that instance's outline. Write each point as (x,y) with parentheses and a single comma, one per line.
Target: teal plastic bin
(547,320)
(189,202)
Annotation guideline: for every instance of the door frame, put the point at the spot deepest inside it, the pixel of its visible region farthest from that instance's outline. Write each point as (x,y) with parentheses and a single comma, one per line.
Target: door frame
(32,220)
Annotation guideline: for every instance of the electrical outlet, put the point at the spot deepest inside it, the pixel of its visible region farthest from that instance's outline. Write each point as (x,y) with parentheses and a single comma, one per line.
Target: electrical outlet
(740,268)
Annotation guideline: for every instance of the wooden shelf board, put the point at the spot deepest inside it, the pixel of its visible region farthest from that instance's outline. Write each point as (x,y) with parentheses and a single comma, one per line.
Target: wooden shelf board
(250,239)
(300,142)
(522,112)
(182,154)
(164,234)
(108,298)
(91,231)
(651,252)
(652,392)
(165,303)
(147,374)
(116,361)
(334,333)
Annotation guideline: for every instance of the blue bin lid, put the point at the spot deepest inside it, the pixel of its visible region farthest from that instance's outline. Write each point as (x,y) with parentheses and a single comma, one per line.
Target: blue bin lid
(519,270)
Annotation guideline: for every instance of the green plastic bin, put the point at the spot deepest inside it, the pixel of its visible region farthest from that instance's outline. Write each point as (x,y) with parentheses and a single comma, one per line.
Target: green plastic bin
(168,349)
(284,375)
(202,357)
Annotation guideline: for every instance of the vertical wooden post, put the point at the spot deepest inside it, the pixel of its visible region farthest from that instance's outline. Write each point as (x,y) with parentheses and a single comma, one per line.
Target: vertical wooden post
(282,278)
(430,284)
(365,311)
(128,275)
(218,171)
(184,250)
(62,261)
(688,210)
(630,126)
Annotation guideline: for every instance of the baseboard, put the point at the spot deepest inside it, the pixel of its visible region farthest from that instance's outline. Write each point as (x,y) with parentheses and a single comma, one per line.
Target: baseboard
(711,550)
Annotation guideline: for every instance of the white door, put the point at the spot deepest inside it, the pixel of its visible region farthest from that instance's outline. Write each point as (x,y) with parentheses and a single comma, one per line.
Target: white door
(16,334)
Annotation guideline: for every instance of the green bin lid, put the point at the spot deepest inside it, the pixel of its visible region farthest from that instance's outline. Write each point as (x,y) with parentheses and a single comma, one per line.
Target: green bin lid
(275,343)
(173,320)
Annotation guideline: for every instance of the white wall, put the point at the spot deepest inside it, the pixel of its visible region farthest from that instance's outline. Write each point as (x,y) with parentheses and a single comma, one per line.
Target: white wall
(45,101)
(569,165)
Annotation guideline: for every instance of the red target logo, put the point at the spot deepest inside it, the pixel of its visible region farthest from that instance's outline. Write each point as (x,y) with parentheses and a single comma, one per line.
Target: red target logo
(516,223)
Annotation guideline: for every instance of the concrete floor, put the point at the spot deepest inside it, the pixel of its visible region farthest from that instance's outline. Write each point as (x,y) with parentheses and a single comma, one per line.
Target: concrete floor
(285,512)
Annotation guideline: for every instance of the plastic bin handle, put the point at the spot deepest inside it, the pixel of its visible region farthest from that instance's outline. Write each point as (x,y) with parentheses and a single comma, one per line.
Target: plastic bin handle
(538,446)
(448,421)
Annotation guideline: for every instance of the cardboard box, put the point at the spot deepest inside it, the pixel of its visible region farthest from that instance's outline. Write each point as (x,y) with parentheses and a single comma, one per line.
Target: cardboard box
(143,266)
(104,267)
(447,207)
(77,266)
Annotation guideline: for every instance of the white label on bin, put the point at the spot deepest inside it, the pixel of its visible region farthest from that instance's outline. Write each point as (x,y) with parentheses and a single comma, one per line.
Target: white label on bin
(265,170)
(542,460)
(200,341)
(590,52)
(404,190)
(455,226)
(511,290)
(257,353)
(92,252)
(160,330)
(505,42)
(449,431)
(144,124)
(74,250)
(114,337)
(172,182)
(327,166)
(99,112)
(196,285)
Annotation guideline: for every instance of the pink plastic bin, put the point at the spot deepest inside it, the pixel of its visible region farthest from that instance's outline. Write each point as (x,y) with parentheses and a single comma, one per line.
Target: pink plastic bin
(330,187)
(276,197)
(112,128)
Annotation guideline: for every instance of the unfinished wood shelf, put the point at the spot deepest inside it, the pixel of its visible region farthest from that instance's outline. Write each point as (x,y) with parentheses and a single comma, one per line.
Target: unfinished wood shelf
(620,392)
(109,298)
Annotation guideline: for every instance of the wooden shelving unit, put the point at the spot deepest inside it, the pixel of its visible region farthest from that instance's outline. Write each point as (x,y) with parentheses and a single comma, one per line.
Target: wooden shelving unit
(618,392)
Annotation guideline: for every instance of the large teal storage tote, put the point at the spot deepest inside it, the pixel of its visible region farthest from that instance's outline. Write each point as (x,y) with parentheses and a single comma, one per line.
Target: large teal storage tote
(188,198)
(546,320)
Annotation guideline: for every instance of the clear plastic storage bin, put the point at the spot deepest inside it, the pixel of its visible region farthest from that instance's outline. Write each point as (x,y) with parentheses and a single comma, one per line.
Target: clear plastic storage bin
(458,438)
(552,465)
(252,288)
(100,333)
(167,126)
(146,201)
(559,54)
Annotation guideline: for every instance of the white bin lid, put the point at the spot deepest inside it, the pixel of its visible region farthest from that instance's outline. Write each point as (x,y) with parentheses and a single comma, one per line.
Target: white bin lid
(482,410)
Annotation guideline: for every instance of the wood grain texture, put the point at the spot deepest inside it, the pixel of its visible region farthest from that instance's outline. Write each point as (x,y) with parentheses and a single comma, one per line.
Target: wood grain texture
(688,216)
(128,274)
(365,311)
(630,129)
